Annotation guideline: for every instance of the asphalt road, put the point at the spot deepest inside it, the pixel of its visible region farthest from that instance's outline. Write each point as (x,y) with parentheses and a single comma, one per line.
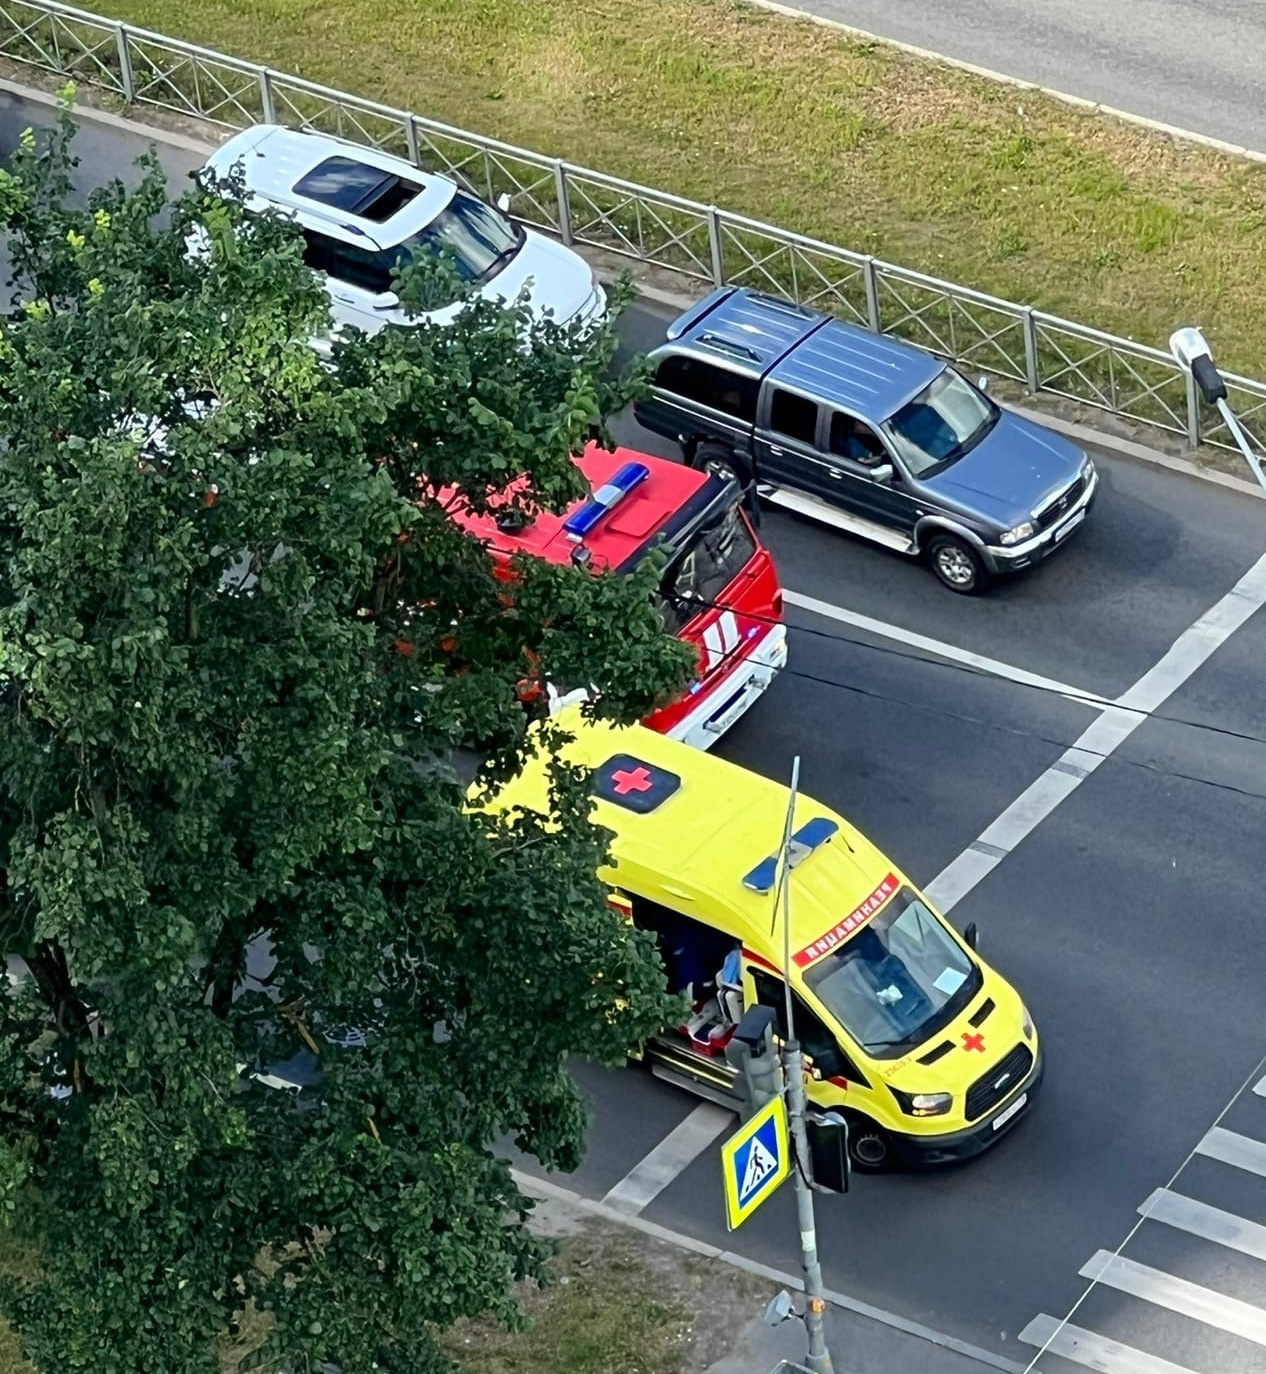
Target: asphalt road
(1128,917)
(1189,63)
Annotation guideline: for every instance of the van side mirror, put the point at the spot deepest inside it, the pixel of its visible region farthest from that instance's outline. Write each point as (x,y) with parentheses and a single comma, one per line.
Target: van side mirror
(883,474)
(969,935)
(503,202)
(982,382)
(827,1062)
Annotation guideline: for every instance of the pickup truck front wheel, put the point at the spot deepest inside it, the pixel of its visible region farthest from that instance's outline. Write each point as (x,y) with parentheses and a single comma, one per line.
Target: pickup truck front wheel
(718,461)
(957,564)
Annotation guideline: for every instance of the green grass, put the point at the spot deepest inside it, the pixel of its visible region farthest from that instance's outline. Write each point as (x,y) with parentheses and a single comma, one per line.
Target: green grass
(18,1259)
(925,166)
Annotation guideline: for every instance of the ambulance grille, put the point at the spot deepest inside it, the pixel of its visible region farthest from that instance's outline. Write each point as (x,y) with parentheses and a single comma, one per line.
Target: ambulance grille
(990,1088)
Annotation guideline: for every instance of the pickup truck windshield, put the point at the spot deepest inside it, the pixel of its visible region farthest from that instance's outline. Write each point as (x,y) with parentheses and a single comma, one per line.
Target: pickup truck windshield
(946,419)
(897,981)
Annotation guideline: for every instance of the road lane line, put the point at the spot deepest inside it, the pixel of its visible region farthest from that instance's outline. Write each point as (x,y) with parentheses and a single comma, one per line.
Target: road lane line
(1209,1223)
(1189,652)
(1178,1295)
(1093,1350)
(951,652)
(1260,1087)
(1240,1150)
(679,1148)
(535,1186)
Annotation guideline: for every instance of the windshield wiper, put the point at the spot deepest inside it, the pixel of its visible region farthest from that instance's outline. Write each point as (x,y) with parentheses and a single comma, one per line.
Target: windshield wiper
(500,261)
(888,1044)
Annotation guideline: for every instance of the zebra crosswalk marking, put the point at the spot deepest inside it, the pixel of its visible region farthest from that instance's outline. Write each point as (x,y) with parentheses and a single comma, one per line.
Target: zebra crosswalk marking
(1209,1223)
(1239,1150)
(1092,1350)
(1179,1295)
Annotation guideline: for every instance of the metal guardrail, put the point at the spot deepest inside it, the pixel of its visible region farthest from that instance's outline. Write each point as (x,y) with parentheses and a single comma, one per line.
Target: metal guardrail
(698,243)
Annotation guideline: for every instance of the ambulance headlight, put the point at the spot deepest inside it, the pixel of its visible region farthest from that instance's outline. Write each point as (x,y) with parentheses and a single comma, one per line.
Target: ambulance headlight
(1026,1022)
(924,1104)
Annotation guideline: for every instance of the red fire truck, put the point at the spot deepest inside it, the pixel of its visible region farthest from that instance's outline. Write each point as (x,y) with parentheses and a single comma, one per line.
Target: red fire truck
(719,590)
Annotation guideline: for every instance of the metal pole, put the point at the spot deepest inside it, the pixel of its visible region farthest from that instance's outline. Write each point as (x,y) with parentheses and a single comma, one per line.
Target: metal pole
(818,1360)
(1238,435)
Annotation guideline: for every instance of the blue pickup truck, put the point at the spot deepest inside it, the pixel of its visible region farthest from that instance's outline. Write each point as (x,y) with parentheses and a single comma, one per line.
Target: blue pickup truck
(866,433)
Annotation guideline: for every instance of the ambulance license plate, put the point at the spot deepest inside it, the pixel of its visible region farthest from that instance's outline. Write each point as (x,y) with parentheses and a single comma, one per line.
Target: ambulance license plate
(1003,1117)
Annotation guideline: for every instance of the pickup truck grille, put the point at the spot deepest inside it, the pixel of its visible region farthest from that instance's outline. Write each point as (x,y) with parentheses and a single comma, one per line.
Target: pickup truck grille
(1061,505)
(990,1088)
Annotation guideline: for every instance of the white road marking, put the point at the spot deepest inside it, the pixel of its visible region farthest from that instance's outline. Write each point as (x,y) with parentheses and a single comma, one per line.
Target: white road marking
(679,1148)
(1209,1223)
(1178,1295)
(1260,1087)
(1093,1350)
(1189,652)
(1240,1150)
(951,652)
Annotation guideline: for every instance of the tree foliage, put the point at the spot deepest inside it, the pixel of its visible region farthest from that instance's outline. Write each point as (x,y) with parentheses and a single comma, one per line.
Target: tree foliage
(239,645)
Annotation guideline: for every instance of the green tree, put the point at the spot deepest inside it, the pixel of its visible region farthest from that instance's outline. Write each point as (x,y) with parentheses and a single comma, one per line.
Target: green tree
(240,642)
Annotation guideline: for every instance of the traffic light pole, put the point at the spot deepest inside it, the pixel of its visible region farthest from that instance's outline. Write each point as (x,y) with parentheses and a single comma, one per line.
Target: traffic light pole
(819,1358)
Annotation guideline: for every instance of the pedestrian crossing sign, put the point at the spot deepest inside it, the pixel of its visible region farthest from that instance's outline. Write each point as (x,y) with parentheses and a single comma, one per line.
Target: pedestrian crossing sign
(754,1161)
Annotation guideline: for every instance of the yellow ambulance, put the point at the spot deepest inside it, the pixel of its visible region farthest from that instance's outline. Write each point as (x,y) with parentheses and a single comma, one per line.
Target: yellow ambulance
(928,1053)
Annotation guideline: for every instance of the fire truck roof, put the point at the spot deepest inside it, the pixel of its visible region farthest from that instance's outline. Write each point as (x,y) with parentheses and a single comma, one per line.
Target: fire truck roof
(638,507)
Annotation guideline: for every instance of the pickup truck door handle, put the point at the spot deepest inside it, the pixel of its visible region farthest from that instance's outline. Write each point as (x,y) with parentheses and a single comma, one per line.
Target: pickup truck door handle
(837,473)
(776,451)
(347,300)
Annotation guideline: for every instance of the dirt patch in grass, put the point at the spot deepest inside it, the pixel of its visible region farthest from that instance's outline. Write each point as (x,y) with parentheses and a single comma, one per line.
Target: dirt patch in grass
(783,120)
(622,1303)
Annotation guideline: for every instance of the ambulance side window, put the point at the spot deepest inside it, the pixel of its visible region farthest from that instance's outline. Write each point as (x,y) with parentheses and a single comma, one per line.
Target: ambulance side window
(816,1041)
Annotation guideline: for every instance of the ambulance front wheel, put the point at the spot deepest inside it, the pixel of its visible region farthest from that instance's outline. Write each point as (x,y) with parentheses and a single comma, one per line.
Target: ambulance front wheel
(718,461)
(869,1145)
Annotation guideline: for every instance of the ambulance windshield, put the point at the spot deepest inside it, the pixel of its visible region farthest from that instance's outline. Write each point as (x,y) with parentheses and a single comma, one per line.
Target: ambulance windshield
(714,557)
(898,980)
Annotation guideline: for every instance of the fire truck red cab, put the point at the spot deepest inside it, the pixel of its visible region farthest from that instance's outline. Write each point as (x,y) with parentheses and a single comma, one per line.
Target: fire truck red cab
(719,591)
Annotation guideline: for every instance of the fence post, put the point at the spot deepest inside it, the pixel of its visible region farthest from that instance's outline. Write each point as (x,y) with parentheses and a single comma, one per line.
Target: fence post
(1031,377)
(266,96)
(870,282)
(411,139)
(715,246)
(564,204)
(1193,412)
(125,63)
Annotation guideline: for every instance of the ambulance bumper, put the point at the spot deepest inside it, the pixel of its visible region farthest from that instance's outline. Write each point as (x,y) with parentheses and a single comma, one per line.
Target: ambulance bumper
(716,712)
(921,1152)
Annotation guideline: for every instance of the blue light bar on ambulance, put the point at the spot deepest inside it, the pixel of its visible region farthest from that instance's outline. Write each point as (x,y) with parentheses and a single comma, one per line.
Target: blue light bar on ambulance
(812,835)
(606,498)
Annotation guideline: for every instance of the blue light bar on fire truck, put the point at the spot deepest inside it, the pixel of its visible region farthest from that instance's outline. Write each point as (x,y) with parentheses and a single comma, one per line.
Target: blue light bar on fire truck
(606,498)
(811,836)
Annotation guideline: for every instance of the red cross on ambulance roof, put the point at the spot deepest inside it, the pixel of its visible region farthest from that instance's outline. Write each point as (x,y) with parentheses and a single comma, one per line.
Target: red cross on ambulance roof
(633,784)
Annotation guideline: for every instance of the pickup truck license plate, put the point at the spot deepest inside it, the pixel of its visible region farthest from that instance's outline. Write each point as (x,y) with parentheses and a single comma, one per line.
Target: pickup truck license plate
(1003,1117)
(1065,530)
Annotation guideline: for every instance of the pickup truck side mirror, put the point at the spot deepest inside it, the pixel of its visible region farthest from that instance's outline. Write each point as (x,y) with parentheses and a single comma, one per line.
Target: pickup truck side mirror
(883,474)
(982,382)
(503,202)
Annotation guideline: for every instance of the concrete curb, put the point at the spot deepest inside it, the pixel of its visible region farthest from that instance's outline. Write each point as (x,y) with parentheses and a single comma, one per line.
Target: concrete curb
(677,301)
(1077,102)
(541,1188)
